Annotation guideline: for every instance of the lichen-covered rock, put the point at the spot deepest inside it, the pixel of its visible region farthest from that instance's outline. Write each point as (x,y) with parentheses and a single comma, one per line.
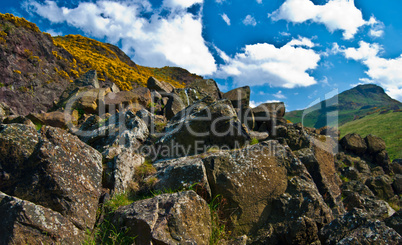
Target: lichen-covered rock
(381,186)
(356,227)
(179,218)
(213,125)
(264,183)
(397,184)
(353,143)
(206,87)
(395,222)
(321,166)
(23,222)
(55,119)
(135,99)
(180,173)
(53,169)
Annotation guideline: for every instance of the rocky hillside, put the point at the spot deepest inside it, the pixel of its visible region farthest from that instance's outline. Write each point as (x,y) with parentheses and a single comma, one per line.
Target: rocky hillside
(35,68)
(184,165)
(351,105)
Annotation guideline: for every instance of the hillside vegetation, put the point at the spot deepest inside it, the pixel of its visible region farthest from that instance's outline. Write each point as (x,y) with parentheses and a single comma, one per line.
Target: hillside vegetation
(351,104)
(110,63)
(387,126)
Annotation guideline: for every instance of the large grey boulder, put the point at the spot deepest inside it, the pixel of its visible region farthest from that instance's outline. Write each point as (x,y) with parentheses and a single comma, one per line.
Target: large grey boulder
(51,168)
(206,87)
(177,174)
(179,218)
(23,222)
(353,143)
(264,183)
(200,127)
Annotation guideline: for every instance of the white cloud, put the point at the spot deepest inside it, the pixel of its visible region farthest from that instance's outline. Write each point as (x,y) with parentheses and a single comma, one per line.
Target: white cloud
(259,1)
(263,63)
(335,15)
(226,19)
(377,28)
(385,72)
(279,95)
(54,33)
(174,39)
(249,20)
(301,42)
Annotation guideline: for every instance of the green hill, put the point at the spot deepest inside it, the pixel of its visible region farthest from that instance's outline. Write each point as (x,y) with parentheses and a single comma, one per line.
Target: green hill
(387,126)
(352,104)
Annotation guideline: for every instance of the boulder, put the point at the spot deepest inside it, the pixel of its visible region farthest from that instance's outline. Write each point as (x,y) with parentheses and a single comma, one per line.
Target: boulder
(159,86)
(381,186)
(135,100)
(239,97)
(205,87)
(51,168)
(5,110)
(89,79)
(24,222)
(86,99)
(263,184)
(353,143)
(320,164)
(177,174)
(397,166)
(18,119)
(357,228)
(382,159)
(260,136)
(397,184)
(374,144)
(179,218)
(395,222)
(269,110)
(55,119)
(214,125)
(123,129)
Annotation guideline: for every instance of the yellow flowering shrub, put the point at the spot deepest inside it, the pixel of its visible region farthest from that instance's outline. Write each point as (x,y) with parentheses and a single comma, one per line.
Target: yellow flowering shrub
(19,22)
(90,54)
(17,71)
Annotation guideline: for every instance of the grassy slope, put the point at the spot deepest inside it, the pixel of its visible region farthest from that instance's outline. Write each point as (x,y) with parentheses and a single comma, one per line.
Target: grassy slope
(387,126)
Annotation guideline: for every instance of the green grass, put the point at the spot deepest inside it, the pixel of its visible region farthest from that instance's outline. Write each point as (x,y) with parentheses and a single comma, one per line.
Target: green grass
(386,126)
(218,225)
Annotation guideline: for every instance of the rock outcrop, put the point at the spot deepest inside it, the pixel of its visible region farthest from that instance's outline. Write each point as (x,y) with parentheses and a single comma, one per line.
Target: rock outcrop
(179,218)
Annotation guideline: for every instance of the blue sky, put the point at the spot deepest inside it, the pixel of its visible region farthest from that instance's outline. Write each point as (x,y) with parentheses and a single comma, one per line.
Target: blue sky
(294,51)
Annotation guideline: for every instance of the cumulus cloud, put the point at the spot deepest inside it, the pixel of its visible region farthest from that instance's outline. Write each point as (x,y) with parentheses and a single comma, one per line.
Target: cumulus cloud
(263,63)
(259,1)
(249,21)
(335,15)
(377,28)
(172,39)
(226,19)
(385,72)
(254,104)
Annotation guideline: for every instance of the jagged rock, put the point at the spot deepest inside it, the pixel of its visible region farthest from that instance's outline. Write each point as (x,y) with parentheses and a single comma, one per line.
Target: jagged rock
(180,173)
(395,221)
(160,86)
(269,115)
(356,228)
(381,186)
(53,169)
(239,97)
(24,222)
(353,143)
(115,88)
(320,164)
(376,209)
(381,158)
(55,119)
(397,184)
(5,110)
(206,87)
(135,99)
(179,99)
(214,125)
(151,120)
(86,99)
(123,129)
(89,79)
(179,218)
(374,144)
(263,184)
(120,168)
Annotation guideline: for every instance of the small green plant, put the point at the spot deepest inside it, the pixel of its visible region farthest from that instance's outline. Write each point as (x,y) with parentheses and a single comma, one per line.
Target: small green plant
(151,104)
(118,200)
(219,231)
(2,85)
(253,141)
